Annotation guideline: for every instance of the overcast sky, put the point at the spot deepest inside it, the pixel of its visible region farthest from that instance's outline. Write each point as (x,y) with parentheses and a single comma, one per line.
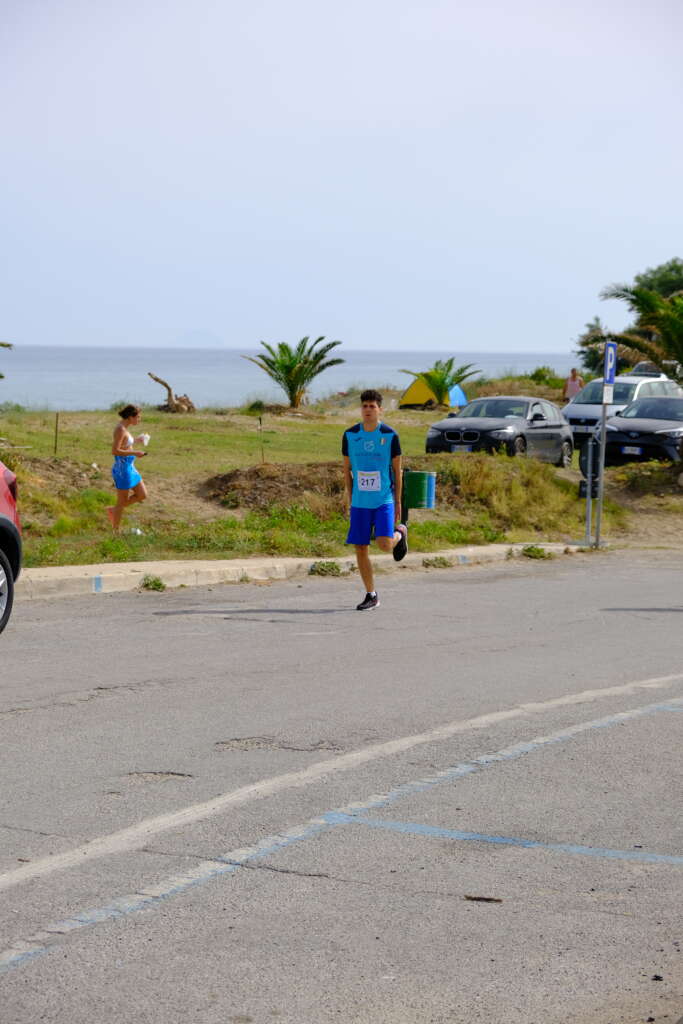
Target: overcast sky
(452,175)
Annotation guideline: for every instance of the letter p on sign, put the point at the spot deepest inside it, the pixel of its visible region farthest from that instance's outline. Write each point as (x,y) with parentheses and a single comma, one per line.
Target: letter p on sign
(610,361)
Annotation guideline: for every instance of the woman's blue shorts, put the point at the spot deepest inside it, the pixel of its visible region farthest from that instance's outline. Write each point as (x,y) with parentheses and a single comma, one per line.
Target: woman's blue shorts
(363,520)
(124,473)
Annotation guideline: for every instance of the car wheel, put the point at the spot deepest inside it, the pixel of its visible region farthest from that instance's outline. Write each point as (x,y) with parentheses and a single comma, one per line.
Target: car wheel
(565,459)
(6,591)
(518,447)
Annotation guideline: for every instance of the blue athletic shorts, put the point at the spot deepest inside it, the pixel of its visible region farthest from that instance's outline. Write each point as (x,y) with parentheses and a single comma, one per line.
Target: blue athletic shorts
(363,520)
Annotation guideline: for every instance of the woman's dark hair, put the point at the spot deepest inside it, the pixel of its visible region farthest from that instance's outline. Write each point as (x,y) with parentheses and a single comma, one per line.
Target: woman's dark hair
(129,411)
(370,395)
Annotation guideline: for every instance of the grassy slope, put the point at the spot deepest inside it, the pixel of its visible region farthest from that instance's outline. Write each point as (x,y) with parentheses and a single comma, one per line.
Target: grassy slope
(63,500)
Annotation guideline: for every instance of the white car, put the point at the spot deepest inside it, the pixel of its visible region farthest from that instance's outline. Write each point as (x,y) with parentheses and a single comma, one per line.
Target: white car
(584,411)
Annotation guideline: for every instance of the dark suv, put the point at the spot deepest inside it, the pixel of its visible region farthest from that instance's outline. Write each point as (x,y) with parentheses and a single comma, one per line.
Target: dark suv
(10,542)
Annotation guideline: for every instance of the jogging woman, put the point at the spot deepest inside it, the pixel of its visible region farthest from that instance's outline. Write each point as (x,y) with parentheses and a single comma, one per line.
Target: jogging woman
(127,481)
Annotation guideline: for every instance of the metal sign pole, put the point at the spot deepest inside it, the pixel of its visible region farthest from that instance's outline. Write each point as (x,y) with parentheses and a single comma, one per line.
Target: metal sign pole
(589,494)
(607,397)
(601,471)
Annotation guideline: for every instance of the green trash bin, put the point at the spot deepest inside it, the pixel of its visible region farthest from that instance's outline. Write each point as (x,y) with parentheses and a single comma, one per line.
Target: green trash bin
(419,489)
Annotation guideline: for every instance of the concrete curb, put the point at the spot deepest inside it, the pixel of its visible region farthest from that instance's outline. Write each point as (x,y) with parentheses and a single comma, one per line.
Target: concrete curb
(110,578)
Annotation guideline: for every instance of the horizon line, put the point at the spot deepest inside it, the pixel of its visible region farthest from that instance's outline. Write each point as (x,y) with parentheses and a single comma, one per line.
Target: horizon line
(352,348)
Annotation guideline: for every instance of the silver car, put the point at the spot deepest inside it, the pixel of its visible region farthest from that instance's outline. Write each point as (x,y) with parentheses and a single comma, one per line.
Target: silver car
(585,409)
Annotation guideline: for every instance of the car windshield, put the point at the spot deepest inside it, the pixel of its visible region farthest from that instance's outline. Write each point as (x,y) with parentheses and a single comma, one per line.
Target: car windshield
(655,409)
(592,393)
(495,408)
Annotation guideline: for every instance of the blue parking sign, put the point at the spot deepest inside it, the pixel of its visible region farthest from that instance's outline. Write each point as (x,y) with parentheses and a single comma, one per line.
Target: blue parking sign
(610,361)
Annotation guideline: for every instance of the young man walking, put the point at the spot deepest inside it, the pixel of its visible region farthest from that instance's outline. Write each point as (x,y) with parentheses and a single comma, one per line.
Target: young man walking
(372,473)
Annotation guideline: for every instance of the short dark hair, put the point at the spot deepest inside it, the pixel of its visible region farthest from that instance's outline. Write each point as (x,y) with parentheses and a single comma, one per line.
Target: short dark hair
(129,411)
(370,395)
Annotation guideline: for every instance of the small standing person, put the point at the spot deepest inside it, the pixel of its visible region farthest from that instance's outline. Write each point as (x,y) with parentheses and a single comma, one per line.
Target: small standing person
(372,473)
(572,385)
(127,481)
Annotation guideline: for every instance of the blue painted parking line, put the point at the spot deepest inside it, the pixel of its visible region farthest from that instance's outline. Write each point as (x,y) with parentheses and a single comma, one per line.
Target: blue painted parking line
(432,831)
(356,813)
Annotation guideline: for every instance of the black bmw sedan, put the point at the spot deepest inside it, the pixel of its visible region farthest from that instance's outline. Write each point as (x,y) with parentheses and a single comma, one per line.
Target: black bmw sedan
(649,428)
(516,424)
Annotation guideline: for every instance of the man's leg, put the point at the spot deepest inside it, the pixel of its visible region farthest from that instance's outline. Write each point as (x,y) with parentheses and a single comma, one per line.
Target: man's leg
(360,531)
(365,567)
(391,536)
(388,544)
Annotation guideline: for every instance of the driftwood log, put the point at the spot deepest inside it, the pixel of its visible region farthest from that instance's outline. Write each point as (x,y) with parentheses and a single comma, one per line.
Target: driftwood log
(173,403)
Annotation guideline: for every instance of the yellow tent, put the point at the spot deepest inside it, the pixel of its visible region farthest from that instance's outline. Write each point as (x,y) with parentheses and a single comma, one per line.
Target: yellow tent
(417,394)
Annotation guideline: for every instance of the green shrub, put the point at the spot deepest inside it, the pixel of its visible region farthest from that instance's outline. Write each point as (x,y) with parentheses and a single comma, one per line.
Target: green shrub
(152,583)
(437,562)
(325,569)
(546,375)
(534,551)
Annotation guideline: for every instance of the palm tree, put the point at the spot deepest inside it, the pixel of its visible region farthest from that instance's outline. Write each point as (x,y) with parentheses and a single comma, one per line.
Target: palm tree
(658,329)
(294,368)
(4,344)
(442,377)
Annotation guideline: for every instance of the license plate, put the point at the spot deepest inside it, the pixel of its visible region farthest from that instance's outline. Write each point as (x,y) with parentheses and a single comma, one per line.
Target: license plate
(582,430)
(631,449)
(461,447)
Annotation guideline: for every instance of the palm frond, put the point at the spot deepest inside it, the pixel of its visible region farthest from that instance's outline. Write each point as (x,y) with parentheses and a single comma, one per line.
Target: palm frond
(631,346)
(442,377)
(293,369)
(658,328)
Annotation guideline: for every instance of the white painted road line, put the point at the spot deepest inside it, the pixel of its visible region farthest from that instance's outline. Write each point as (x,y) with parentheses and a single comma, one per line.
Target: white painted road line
(136,836)
(356,814)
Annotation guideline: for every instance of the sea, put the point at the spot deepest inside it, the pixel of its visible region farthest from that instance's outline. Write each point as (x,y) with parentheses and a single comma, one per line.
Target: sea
(73,378)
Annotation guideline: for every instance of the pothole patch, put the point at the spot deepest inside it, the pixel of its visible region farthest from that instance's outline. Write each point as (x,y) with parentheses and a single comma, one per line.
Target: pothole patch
(272,743)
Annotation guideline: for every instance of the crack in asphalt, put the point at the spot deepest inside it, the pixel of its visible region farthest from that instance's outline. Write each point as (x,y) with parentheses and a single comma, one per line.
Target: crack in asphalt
(237,863)
(280,871)
(301,874)
(36,832)
(187,854)
(157,776)
(76,697)
(528,900)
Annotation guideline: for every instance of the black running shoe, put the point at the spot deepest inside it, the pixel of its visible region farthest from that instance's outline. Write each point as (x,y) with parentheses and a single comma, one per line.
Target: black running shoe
(401,548)
(368,602)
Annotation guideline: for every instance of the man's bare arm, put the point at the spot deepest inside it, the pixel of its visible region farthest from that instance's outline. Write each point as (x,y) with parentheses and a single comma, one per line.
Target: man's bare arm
(348,478)
(397,466)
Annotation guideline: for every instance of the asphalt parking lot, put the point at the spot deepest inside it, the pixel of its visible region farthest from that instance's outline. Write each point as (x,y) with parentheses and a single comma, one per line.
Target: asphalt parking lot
(252,803)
